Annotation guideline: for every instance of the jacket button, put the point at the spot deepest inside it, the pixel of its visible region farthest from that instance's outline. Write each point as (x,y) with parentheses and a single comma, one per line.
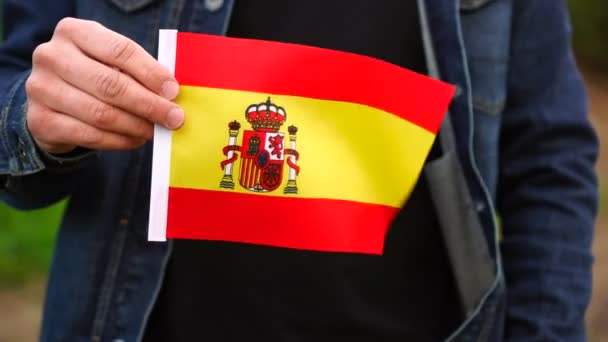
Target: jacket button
(458,91)
(21,151)
(213,5)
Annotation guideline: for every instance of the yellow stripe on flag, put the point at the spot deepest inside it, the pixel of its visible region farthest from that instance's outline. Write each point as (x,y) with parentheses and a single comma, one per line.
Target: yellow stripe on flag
(347,151)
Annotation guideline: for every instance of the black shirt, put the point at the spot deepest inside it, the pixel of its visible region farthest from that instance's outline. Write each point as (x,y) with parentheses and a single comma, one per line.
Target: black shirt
(220,291)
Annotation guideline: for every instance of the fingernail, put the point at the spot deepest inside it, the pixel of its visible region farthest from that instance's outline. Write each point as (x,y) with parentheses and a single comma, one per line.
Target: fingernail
(169,90)
(175,118)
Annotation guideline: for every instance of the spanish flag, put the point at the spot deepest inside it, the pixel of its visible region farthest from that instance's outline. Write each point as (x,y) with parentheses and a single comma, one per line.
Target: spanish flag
(288,145)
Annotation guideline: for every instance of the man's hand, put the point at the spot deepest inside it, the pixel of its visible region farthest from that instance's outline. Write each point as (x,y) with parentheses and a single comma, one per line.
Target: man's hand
(94,88)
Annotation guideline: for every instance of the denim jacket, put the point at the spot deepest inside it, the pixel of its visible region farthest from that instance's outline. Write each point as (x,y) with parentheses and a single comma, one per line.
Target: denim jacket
(522,138)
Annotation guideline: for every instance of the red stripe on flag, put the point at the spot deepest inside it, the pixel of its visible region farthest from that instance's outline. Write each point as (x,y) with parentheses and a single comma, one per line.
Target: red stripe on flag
(297,70)
(308,224)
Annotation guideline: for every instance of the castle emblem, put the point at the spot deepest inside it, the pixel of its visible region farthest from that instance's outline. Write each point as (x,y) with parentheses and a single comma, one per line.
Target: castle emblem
(262,151)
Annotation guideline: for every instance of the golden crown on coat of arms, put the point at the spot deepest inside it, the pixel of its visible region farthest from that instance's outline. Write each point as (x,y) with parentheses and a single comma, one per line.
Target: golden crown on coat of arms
(266,116)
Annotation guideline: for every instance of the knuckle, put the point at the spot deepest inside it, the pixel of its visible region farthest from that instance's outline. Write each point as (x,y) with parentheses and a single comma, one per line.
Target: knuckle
(43,125)
(34,85)
(66,25)
(103,115)
(121,49)
(42,54)
(47,56)
(109,84)
(35,122)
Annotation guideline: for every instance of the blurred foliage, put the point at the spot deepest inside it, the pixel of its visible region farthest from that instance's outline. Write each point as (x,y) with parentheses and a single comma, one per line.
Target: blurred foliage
(590,24)
(26,242)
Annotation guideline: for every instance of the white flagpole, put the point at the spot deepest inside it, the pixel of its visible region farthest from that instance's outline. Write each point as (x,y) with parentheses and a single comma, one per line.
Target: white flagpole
(161,155)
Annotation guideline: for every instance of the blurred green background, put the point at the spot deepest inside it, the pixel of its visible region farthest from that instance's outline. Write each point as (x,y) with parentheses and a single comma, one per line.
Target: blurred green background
(26,238)
(26,242)
(590,23)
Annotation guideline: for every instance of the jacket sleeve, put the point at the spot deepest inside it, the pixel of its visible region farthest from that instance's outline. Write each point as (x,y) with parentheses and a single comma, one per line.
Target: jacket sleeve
(547,194)
(28,177)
